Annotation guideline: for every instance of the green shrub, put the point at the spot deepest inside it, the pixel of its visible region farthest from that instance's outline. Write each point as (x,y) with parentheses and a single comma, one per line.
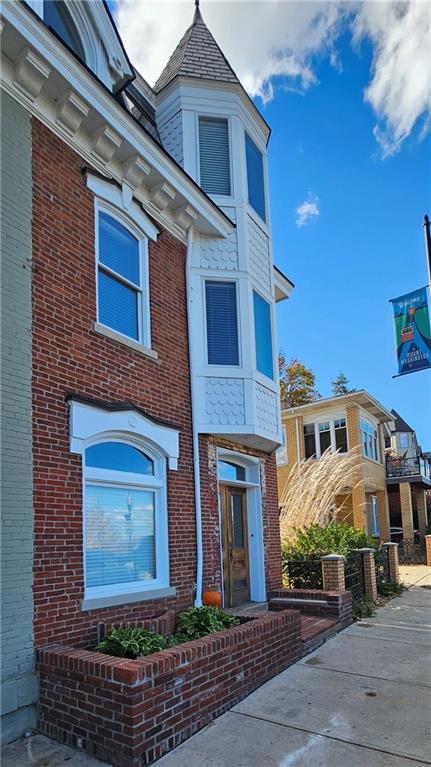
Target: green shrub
(390,588)
(315,541)
(132,643)
(198,622)
(363,608)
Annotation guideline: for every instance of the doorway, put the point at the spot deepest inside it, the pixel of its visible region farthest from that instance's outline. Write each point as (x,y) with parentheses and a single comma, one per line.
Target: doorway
(236,575)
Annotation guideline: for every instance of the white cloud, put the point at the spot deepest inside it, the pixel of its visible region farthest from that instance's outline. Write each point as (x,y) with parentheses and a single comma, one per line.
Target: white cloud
(307,211)
(274,44)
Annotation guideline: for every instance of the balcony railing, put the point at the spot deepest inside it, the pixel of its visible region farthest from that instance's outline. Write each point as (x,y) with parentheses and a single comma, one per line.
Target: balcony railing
(407,467)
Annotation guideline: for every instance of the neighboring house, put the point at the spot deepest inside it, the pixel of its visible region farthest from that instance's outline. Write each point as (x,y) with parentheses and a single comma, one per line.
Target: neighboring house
(408,472)
(141,402)
(342,423)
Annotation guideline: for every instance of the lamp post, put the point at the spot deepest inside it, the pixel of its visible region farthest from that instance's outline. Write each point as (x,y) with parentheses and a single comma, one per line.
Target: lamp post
(427,234)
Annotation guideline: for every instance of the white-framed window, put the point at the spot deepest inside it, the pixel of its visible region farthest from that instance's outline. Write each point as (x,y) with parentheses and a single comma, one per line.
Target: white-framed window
(281,452)
(263,335)
(122,275)
(56,15)
(214,155)
(125,457)
(324,434)
(369,440)
(255,177)
(125,520)
(221,311)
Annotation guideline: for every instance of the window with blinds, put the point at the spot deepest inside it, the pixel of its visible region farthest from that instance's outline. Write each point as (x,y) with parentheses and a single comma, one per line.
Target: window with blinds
(214,156)
(222,323)
(119,278)
(255,177)
(263,335)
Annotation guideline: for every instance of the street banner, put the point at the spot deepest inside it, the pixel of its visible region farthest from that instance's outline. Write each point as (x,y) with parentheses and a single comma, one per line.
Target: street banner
(412,331)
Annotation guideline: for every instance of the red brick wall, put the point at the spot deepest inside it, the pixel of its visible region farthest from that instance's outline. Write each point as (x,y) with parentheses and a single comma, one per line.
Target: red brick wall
(68,357)
(132,712)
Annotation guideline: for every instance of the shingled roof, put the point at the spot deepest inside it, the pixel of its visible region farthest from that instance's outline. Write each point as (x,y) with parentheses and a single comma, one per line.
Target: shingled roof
(197,55)
(400,423)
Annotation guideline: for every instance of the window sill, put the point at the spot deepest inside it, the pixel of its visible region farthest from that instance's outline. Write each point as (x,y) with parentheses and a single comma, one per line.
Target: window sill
(98,603)
(102,330)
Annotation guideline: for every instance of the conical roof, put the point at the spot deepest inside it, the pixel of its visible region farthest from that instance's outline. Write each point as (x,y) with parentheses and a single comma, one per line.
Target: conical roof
(197,55)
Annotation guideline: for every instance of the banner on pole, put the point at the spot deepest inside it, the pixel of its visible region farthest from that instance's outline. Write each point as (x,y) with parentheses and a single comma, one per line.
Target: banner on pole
(412,331)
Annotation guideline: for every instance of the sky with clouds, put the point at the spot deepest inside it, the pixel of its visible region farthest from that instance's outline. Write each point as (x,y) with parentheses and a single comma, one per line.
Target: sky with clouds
(346,88)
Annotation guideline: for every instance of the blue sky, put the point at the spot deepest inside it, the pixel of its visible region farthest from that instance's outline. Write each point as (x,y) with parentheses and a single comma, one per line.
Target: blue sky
(308,65)
(365,246)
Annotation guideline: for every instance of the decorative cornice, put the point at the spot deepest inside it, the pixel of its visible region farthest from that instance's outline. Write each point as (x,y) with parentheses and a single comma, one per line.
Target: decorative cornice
(185,216)
(161,195)
(105,142)
(31,73)
(71,112)
(135,170)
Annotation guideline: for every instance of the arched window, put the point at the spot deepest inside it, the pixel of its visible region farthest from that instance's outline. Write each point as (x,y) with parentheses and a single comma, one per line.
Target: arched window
(125,529)
(56,15)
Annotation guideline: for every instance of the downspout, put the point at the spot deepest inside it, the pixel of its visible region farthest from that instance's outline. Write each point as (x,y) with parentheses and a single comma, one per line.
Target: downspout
(195,435)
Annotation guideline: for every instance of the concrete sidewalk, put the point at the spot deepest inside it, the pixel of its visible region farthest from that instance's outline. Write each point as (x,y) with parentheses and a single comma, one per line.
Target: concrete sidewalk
(363,700)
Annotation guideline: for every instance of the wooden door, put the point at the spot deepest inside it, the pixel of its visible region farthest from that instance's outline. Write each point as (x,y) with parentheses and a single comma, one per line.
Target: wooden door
(235,545)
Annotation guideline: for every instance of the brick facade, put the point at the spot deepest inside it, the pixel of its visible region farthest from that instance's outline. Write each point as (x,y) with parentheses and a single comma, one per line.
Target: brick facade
(69,357)
(132,712)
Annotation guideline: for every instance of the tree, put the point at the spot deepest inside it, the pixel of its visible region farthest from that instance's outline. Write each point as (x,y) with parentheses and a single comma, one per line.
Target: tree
(340,385)
(297,383)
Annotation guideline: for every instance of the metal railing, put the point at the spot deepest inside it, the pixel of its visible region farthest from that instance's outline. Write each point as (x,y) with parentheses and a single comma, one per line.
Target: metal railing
(411,552)
(354,575)
(303,574)
(383,574)
(407,467)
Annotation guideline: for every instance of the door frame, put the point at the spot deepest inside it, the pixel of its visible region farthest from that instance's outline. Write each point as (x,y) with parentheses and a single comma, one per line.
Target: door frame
(252,485)
(226,491)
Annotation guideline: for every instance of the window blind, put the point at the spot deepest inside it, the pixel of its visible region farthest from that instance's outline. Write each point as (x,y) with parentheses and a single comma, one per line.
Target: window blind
(118,305)
(214,156)
(222,323)
(263,335)
(118,248)
(255,179)
(119,535)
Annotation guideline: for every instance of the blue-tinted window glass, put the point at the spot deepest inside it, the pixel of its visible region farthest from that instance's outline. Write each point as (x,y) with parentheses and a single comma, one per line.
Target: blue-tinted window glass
(118,456)
(119,535)
(222,323)
(231,471)
(118,248)
(263,335)
(55,15)
(255,178)
(118,305)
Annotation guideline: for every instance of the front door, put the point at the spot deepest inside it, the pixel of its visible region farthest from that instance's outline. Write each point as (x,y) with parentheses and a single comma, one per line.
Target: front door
(233,502)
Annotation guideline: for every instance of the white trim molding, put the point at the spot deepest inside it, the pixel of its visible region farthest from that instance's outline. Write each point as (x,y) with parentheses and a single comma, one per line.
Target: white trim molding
(90,422)
(110,192)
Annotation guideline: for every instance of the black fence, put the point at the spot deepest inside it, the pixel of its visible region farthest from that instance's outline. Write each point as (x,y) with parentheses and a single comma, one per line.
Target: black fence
(354,575)
(411,552)
(303,574)
(383,575)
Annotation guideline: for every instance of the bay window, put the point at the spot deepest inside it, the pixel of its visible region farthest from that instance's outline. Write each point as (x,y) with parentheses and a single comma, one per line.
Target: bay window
(369,440)
(255,177)
(263,335)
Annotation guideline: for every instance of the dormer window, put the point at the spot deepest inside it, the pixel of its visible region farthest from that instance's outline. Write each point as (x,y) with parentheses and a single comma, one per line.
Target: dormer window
(255,177)
(214,155)
(56,16)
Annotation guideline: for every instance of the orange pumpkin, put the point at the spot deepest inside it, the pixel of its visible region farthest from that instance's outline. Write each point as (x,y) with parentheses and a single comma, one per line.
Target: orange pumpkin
(211,599)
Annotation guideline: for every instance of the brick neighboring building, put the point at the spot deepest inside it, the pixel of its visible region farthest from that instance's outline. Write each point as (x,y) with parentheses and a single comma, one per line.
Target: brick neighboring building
(140,404)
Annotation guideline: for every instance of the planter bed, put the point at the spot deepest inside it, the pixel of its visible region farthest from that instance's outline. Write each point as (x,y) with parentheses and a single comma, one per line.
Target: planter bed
(131,712)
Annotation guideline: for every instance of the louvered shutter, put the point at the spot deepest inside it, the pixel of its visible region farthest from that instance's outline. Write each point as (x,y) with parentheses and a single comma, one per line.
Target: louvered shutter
(214,155)
(222,323)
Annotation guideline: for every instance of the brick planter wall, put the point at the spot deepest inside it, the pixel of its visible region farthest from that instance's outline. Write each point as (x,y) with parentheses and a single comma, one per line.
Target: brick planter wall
(131,712)
(334,603)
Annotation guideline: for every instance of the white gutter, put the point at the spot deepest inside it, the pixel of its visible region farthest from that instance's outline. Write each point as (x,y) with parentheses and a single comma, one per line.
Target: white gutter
(195,435)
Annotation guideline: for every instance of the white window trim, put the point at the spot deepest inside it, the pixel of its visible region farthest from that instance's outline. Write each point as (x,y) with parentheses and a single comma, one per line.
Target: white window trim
(214,365)
(221,198)
(375,428)
(331,419)
(90,425)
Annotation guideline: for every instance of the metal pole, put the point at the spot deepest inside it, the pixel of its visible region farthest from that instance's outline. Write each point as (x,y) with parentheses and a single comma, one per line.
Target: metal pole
(427,233)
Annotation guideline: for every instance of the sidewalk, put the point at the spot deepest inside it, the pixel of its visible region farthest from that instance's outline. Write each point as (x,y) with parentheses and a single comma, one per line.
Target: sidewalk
(360,700)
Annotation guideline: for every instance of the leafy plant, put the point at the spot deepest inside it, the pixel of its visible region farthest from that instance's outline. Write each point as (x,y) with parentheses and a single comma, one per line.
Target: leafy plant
(316,541)
(132,642)
(363,608)
(198,622)
(390,588)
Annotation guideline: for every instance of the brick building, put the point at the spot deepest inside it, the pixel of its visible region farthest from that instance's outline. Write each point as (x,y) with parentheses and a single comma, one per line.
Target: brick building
(141,403)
